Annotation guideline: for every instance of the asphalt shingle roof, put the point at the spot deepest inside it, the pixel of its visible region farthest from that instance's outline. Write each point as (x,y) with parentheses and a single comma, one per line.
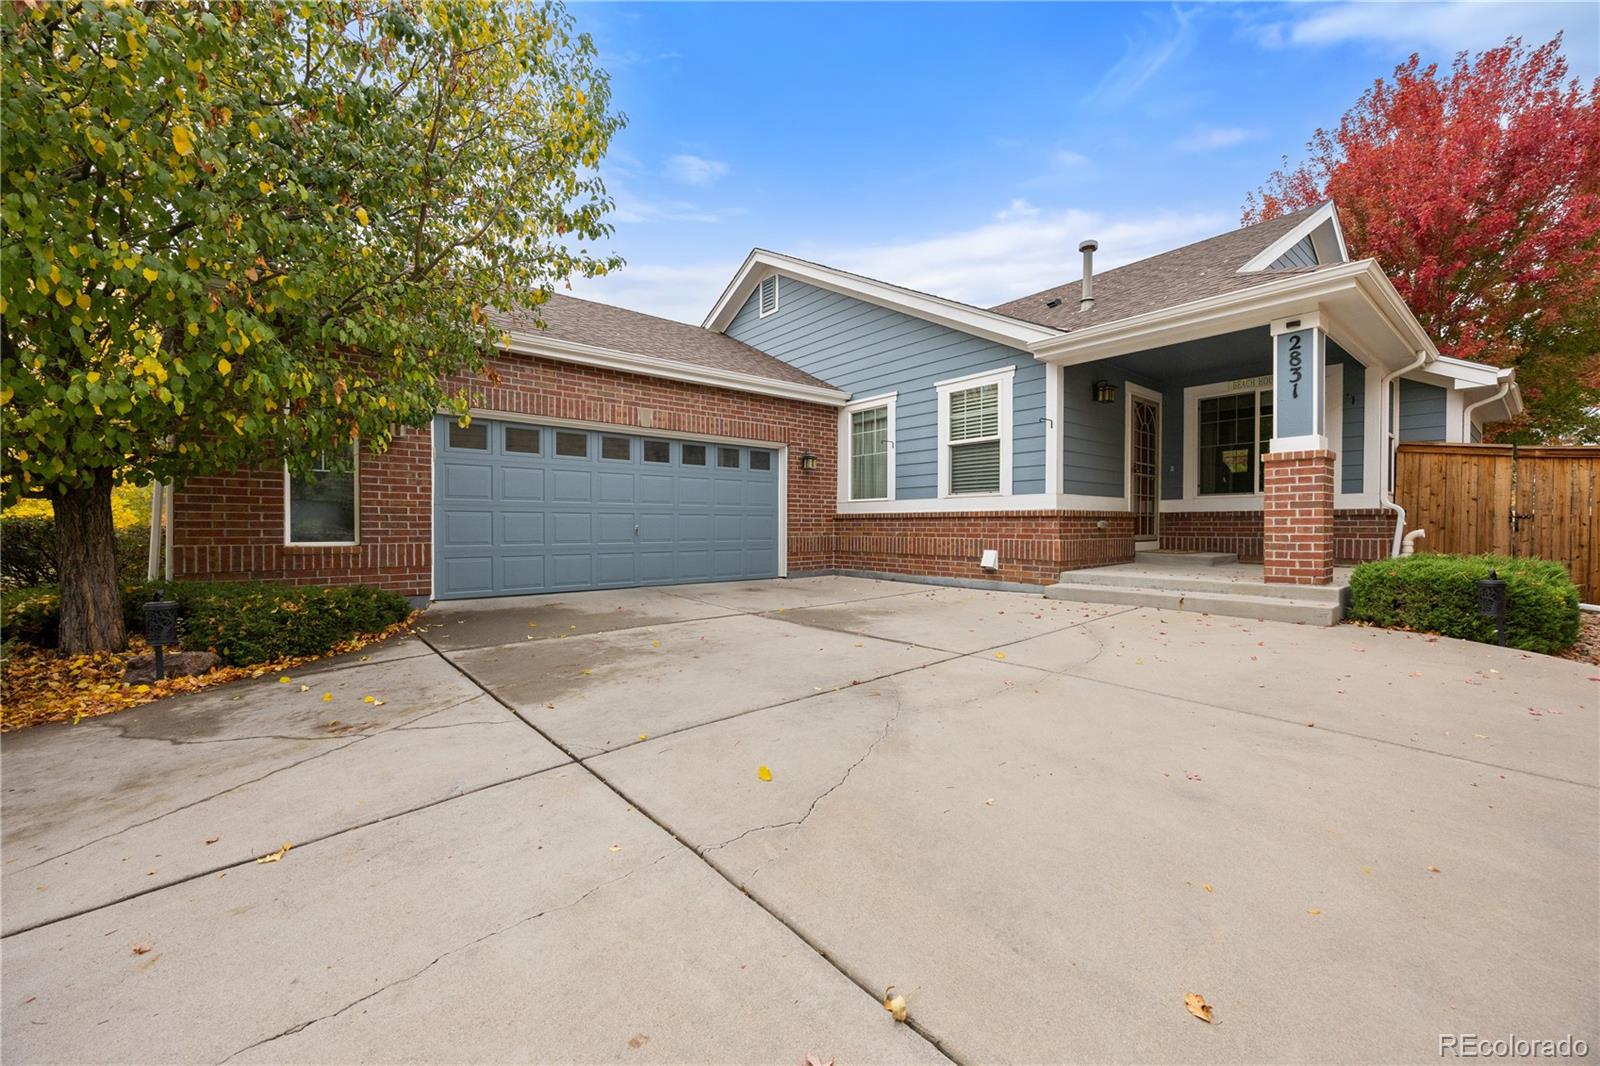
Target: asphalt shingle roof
(568,318)
(1195,271)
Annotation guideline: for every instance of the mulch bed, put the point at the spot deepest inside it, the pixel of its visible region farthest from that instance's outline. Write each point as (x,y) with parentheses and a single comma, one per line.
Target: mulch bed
(42,685)
(1587,649)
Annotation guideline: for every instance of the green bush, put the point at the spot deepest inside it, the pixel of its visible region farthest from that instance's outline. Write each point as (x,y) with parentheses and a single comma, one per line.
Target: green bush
(28,551)
(1438,594)
(243,622)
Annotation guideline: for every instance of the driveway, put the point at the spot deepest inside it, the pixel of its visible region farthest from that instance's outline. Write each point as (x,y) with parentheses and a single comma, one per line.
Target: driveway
(546,837)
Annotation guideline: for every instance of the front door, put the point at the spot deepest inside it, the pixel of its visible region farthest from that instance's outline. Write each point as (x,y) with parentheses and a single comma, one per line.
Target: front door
(1144,468)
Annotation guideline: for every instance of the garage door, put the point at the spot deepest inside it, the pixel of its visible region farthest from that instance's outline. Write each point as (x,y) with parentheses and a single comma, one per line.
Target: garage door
(524,508)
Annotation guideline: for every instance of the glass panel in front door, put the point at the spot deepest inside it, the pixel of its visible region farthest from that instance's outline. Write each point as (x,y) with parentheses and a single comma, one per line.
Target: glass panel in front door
(1144,467)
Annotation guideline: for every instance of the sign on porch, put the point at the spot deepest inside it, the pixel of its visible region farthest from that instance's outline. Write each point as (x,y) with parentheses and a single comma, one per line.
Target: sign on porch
(1295,403)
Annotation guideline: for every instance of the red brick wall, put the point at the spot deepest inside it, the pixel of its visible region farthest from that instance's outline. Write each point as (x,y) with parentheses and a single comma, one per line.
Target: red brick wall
(1215,531)
(232,525)
(1034,546)
(1361,536)
(1297,518)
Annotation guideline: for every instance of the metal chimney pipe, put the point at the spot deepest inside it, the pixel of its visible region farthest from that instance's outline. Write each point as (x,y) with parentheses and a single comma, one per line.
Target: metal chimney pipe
(1088,248)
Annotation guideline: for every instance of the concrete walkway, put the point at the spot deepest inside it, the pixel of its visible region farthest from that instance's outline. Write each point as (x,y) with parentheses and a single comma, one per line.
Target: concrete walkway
(1044,822)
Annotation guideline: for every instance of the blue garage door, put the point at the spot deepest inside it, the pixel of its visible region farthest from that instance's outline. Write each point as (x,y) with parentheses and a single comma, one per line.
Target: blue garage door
(525,508)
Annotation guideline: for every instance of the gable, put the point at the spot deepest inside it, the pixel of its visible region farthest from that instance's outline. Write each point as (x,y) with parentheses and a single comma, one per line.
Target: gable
(1302,254)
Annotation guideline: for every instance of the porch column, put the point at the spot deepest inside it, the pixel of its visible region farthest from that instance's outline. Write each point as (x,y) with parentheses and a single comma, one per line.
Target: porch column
(1297,508)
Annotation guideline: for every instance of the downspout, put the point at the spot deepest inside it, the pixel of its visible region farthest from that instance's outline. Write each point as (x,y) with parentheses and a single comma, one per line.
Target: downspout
(1466,416)
(172,513)
(1391,416)
(152,569)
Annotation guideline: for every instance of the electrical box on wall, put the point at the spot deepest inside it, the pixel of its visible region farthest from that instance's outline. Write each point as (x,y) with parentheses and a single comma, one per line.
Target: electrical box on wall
(990,560)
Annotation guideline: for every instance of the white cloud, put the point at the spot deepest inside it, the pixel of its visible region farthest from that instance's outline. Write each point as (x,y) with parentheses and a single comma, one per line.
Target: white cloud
(1064,158)
(1022,250)
(1143,59)
(1454,25)
(695,170)
(1211,138)
(683,292)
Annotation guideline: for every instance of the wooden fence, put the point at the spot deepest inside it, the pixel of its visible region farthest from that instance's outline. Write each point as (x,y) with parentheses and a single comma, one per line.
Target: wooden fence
(1500,498)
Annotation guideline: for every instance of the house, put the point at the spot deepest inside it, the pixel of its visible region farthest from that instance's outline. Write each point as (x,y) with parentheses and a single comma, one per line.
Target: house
(1241,394)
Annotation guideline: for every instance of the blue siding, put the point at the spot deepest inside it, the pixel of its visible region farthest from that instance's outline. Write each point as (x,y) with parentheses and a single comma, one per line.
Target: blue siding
(1421,411)
(1352,445)
(1093,461)
(1302,254)
(865,350)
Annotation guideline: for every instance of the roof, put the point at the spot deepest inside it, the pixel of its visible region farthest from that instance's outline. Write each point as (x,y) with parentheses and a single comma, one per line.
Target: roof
(1206,268)
(597,325)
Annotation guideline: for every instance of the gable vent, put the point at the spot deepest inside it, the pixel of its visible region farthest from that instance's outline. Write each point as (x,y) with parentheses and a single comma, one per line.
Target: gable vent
(769,295)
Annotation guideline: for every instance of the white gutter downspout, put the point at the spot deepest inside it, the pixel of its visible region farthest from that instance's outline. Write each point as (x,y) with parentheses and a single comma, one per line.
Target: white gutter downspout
(152,569)
(1466,416)
(1392,433)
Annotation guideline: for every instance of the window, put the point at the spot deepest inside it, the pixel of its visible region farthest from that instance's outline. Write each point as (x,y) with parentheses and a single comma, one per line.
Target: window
(1235,430)
(769,295)
(523,440)
(616,448)
(974,439)
(322,502)
(693,455)
(572,445)
(474,436)
(760,460)
(657,451)
(728,458)
(869,453)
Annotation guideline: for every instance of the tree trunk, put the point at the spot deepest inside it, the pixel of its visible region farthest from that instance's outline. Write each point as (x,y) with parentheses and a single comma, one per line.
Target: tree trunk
(86,562)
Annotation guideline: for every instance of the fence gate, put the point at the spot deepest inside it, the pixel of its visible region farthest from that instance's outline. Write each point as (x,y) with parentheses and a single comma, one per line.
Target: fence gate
(1474,498)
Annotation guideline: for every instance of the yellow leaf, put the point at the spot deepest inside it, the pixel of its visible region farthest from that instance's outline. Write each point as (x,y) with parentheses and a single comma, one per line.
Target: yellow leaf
(264,186)
(63,297)
(361,215)
(1313,911)
(895,1005)
(1206,887)
(368,699)
(223,366)
(83,301)
(285,679)
(191,262)
(149,274)
(327,697)
(999,655)
(255,130)
(305,688)
(276,855)
(182,140)
(764,772)
(1196,1005)
(92,376)
(644,736)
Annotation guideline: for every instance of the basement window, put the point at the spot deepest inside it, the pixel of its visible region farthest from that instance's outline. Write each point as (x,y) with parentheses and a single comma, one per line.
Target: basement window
(320,505)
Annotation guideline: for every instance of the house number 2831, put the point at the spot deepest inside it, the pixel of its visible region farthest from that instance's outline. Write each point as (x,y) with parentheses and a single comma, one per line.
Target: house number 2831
(1294,365)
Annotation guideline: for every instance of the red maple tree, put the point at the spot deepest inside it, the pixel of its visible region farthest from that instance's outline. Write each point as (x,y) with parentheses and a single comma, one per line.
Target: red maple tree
(1478,192)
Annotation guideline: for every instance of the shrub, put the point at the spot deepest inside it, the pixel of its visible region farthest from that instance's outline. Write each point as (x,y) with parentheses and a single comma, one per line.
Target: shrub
(243,622)
(1438,594)
(28,551)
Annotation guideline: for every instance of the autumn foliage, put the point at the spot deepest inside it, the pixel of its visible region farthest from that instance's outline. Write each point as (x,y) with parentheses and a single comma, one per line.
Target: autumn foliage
(1478,191)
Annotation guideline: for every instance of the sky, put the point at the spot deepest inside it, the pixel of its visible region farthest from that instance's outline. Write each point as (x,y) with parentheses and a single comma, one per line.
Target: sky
(966,149)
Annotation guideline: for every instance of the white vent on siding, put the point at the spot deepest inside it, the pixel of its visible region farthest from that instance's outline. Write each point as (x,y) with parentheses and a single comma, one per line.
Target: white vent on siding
(769,295)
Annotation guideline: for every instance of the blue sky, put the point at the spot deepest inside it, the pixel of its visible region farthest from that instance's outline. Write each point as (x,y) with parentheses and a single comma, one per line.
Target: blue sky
(966,149)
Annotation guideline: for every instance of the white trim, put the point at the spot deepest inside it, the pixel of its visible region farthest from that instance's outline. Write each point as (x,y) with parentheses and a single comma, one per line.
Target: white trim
(1149,396)
(866,403)
(1315,440)
(519,342)
(1242,309)
(1033,501)
(1306,227)
(355,488)
(433,508)
(1002,378)
(761,300)
(1055,438)
(974,320)
(613,427)
(783,510)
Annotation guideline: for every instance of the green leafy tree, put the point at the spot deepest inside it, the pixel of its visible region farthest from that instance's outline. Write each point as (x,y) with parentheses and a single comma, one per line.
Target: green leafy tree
(239,234)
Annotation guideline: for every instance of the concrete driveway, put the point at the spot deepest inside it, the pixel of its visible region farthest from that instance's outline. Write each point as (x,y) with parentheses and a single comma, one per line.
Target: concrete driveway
(545,838)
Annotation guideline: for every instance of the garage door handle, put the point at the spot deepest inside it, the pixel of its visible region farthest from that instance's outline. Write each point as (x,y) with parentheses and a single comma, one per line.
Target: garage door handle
(636,531)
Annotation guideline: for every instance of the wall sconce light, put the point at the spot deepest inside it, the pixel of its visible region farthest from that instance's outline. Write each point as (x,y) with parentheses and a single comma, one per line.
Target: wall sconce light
(1105,392)
(808,461)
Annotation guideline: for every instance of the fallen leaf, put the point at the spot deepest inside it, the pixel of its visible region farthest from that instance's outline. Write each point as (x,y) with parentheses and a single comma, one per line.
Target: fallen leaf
(327,697)
(895,1005)
(305,688)
(639,1039)
(141,949)
(988,803)
(655,644)
(616,847)
(1433,869)
(212,840)
(533,625)
(586,673)
(1196,1005)
(276,855)
(378,703)
(764,773)
(812,1060)
(999,655)
(644,736)
(1313,911)
(368,699)
(285,679)
(1206,887)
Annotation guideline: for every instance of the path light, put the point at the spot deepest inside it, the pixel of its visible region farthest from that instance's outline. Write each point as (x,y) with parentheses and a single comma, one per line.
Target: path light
(161,628)
(1492,602)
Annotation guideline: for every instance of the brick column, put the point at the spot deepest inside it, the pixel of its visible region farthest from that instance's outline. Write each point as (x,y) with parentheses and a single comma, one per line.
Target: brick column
(1297,518)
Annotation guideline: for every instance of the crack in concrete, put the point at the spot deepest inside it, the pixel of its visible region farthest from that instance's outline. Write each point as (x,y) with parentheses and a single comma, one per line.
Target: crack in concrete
(508,927)
(899,705)
(350,741)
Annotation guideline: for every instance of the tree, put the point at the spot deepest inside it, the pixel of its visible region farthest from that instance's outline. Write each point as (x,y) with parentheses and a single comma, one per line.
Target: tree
(239,234)
(1478,192)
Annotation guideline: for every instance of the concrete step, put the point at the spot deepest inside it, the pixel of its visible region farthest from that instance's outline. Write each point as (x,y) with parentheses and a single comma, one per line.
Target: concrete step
(1198,582)
(1158,557)
(1317,612)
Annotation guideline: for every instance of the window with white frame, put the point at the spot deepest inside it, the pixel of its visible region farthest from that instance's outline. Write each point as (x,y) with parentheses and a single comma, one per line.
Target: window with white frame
(972,420)
(869,453)
(321,503)
(1235,431)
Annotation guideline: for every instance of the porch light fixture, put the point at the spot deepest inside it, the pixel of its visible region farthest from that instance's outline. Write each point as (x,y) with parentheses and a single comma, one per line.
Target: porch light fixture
(808,461)
(1105,392)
